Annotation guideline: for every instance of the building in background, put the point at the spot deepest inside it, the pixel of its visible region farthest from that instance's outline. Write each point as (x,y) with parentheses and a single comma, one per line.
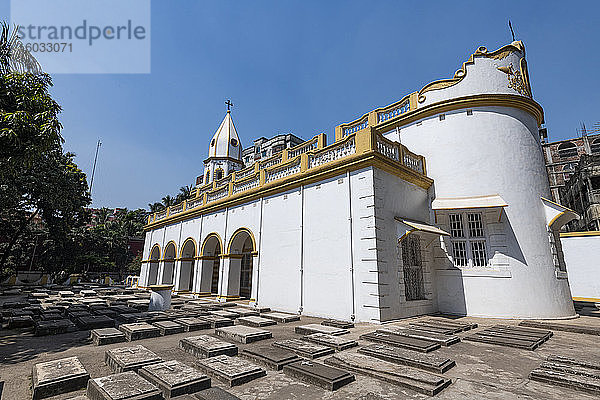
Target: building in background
(581,193)
(562,157)
(265,148)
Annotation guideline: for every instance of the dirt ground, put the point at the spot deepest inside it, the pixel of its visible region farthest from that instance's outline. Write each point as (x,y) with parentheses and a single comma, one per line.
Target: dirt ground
(482,371)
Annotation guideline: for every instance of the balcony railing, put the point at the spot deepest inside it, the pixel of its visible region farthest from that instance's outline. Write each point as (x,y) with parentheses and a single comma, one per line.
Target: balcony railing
(307,156)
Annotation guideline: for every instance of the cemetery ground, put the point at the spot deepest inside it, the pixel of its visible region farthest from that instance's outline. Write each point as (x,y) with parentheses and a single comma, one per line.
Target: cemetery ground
(491,359)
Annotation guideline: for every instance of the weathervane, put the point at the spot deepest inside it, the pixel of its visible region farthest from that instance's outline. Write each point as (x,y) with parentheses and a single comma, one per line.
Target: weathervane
(229,104)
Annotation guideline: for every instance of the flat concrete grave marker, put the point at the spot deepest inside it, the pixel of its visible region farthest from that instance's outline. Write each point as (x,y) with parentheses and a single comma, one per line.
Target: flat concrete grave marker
(327,377)
(304,348)
(567,377)
(592,364)
(281,317)
(510,336)
(338,324)
(123,359)
(270,356)
(104,336)
(58,376)
(139,330)
(465,326)
(215,393)
(243,312)
(224,314)
(66,293)
(95,322)
(88,293)
(205,346)
(316,328)
(256,321)
(420,381)
(216,321)
(174,378)
(444,340)
(231,370)
(421,345)
(54,327)
(397,355)
(243,334)
(168,327)
(123,386)
(432,328)
(557,326)
(335,342)
(191,324)
(260,309)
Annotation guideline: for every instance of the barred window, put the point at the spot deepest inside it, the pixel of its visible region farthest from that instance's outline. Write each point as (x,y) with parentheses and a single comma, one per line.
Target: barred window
(475,225)
(412,266)
(459,251)
(479,254)
(469,246)
(456,225)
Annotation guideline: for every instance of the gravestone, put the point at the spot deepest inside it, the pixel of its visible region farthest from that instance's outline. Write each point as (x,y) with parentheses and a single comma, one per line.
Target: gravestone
(270,356)
(104,336)
(303,348)
(58,376)
(106,311)
(88,293)
(20,322)
(95,322)
(400,375)
(587,330)
(243,334)
(335,342)
(224,314)
(432,328)
(205,346)
(316,328)
(193,324)
(54,327)
(329,378)
(281,317)
(256,321)
(132,358)
(174,378)
(260,309)
(66,293)
(139,304)
(338,324)
(123,386)
(421,345)
(214,393)
(216,321)
(397,355)
(168,327)
(444,340)
(243,312)
(465,326)
(139,330)
(232,371)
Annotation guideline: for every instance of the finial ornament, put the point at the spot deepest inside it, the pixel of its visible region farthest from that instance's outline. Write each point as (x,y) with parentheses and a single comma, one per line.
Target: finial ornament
(229,104)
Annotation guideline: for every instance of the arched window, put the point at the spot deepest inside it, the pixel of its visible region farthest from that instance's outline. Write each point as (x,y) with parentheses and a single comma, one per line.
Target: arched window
(218,174)
(568,170)
(207,176)
(567,149)
(595,147)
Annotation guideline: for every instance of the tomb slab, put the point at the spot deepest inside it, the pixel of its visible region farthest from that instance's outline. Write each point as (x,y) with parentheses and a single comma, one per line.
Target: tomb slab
(191,324)
(281,317)
(243,334)
(123,359)
(255,321)
(104,336)
(169,327)
(139,330)
(316,328)
(336,342)
(123,386)
(205,346)
(329,378)
(232,371)
(304,348)
(174,378)
(58,376)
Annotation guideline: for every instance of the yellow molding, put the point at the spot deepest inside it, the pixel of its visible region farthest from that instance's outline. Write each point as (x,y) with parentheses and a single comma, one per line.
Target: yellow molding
(313,175)
(580,234)
(183,247)
(237,232)
(588,299)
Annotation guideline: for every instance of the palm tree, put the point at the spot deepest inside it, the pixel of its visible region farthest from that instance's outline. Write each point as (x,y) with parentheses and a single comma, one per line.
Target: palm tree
(155,207)
(184,193)
(168,201)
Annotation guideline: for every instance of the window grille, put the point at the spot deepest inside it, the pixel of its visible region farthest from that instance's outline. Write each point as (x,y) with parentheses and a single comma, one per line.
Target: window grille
(412,266)
(456,225)
(479,253)
(475,225)
(468,246)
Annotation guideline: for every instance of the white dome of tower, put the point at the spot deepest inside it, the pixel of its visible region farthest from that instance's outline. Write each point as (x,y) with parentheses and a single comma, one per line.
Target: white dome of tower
(225,142)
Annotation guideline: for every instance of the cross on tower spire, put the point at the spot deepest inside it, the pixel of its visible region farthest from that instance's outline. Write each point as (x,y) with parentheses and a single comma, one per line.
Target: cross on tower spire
(229,104)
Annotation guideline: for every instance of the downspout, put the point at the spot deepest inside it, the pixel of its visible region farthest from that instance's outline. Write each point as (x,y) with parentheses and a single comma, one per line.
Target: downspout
(353,316)
(301,249)
(260,227)
(222,261)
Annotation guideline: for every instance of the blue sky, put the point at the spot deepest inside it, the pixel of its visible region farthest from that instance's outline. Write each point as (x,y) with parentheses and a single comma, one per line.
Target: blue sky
(303,67)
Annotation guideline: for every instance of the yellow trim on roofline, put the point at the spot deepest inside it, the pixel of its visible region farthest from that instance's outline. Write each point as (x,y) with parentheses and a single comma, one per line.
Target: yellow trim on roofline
(588,299)
(560,205)
(580,234)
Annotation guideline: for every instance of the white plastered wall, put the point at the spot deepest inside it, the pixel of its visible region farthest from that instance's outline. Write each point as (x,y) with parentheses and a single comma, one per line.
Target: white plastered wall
(582,256)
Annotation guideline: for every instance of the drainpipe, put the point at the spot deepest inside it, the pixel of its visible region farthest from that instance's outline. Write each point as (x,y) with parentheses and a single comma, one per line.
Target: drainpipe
(301,250)
(353,316)
(260,227)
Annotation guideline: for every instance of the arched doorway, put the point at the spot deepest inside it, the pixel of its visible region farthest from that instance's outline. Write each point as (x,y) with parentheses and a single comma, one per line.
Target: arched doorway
(211,264)
(169,264)
(153,265)
(186,271)
(242,250)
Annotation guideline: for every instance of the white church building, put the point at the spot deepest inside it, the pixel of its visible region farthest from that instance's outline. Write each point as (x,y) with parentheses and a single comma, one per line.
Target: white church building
(435,203)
